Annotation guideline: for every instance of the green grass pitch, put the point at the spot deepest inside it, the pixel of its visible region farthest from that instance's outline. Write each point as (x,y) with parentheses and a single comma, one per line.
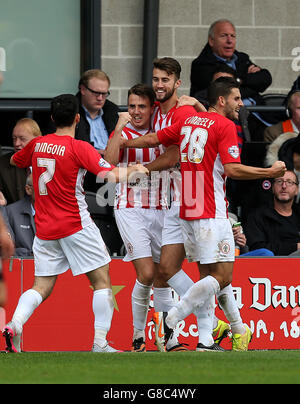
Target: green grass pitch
(252,367)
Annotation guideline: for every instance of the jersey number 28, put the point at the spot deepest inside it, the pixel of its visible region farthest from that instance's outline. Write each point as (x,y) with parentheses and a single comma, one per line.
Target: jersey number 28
(195,141)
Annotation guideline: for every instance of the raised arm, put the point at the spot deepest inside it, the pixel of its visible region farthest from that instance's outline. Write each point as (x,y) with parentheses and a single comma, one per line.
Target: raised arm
(112,151)
(242,172)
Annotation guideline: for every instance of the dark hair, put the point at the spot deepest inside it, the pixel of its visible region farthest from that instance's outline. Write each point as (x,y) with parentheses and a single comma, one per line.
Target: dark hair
(224,68)
(64,108)
(221,87)
(296,147)
(143,90)
(169,65)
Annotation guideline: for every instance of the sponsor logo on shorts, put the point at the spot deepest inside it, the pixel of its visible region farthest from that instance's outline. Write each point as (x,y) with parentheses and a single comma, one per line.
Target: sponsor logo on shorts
(130,248)
(224,247)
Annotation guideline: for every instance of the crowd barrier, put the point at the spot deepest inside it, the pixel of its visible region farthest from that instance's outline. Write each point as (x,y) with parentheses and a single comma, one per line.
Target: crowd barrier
(267,291)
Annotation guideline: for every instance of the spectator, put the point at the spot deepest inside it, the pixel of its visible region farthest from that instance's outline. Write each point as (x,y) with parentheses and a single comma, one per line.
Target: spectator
(13,179)
(277,227)
(99,116)
(290,125)
(19,218)
(221,48)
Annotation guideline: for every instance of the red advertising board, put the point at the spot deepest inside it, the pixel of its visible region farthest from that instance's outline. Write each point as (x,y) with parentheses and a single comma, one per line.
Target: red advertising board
(267,292)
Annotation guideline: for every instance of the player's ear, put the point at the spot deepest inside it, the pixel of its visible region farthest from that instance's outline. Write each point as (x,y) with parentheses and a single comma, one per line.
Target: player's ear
(77,118)
(222,100)
(177,83)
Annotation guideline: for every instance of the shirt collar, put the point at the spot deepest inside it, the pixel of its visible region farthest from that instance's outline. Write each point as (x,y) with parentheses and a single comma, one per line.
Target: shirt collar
(100,113)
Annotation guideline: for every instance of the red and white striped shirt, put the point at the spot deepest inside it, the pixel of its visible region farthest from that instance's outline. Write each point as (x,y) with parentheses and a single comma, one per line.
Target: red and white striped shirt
(160,121)
(143,192)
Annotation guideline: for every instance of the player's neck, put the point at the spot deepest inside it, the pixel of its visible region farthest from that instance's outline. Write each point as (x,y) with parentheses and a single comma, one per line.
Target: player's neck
(217,110)
(66,131)
(168,104)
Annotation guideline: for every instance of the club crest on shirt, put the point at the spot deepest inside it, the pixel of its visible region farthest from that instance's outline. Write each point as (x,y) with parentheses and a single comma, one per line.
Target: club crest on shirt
(234,151)
(224,247)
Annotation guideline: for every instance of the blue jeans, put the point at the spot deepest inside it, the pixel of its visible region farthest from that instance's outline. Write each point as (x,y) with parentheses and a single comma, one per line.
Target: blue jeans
(260,252)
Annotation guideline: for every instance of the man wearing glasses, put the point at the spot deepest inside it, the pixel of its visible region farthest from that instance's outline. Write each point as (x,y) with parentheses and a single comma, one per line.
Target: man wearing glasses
(277,227)
(98,115)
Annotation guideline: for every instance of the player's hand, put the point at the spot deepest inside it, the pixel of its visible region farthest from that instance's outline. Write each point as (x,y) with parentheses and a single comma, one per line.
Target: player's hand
(141,169)
(124,119)
(193,102)
(278,169)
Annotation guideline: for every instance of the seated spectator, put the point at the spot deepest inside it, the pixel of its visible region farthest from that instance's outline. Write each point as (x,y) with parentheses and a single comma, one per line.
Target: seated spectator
(13,179)
(220,48)
(19,218)
(291,125)
(277,227)
(241,247)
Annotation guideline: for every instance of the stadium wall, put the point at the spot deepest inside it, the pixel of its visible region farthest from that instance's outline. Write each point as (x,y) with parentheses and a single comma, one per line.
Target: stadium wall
(268,30)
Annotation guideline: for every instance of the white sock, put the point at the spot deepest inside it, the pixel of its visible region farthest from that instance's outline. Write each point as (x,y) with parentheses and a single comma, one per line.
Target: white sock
(194,298)
(205,318)
(163,299)
(180,282)
(28,302)
(140,299)
(228,304)
(103,308)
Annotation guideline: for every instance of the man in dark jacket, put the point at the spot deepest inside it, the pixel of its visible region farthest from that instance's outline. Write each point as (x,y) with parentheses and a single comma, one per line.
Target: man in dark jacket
(277,227)
(98,115)
(221,49)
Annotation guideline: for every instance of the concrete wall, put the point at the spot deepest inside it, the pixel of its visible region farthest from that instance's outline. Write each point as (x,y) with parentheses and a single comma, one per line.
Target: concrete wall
(268,30)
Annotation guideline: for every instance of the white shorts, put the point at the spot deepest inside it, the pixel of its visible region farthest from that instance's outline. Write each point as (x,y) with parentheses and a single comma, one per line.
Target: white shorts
(172,231)
(208,240)
(140,230)
(83,252)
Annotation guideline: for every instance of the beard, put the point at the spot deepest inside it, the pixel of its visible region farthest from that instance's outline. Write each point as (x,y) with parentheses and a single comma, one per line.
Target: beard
(283,201)
(167,96)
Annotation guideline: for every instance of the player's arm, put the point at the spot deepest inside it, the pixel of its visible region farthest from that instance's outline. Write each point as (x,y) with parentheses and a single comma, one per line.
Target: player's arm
(112,151)
(239,171)
(149,140)
(166,160)
(121,174)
